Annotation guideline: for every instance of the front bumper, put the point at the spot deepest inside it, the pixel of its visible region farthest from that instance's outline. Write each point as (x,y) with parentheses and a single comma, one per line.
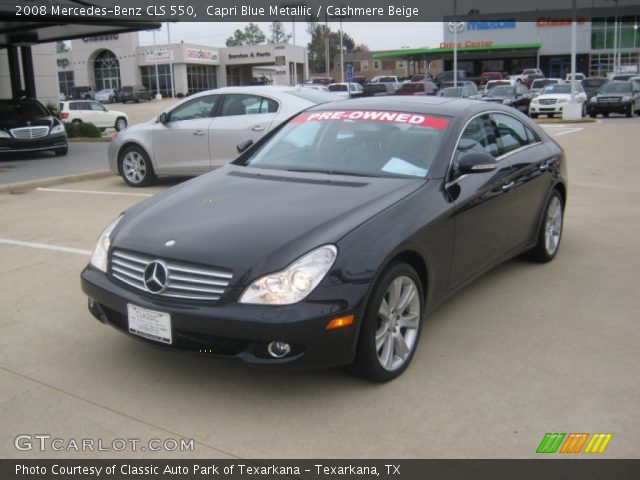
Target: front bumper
(547,109)
(235,330)
(613,107)
(50,142)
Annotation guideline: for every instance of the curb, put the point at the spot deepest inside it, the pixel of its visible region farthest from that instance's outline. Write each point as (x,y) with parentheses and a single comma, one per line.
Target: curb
(47,182)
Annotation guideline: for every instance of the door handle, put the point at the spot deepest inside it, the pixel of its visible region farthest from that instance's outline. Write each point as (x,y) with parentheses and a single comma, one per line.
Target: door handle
(258,128)
(199,133)
(508,186)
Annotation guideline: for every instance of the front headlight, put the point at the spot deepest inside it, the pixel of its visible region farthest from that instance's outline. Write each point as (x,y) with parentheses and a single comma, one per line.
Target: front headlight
(535,100)
(507,101)
(58,128)
(563,100)
(4,134)
(626,99)
(100,254)
(295,282)
(594,100)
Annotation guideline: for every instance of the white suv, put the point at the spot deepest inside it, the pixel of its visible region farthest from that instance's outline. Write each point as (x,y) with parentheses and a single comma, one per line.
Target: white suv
(90,111)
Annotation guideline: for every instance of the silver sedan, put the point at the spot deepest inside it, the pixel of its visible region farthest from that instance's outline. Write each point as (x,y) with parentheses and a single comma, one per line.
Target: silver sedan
(202,132)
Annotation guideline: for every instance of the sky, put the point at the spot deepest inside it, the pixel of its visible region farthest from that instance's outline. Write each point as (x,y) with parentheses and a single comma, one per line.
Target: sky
(376,35)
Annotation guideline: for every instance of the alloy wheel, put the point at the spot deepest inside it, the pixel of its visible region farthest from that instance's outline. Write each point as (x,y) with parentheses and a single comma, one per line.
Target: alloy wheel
(398,322)
(134,167)
(553,226)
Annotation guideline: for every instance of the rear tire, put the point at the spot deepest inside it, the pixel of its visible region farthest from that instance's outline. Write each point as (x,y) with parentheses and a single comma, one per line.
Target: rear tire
(391,325)
(605,114)
(533,115)
(593,115)
(550,233)
(136,168)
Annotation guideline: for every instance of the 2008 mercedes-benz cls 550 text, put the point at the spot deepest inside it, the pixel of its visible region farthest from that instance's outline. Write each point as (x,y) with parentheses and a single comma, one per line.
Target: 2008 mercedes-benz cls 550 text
(328,241)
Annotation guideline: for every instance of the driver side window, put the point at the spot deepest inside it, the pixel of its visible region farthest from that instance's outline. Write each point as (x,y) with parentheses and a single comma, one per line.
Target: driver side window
(478,137)
(201,107)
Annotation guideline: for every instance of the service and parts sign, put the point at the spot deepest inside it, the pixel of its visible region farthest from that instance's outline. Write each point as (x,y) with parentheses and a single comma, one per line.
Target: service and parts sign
(202,54)
(415,119)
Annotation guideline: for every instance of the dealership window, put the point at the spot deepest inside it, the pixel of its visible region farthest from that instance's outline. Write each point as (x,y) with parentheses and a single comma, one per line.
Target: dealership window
(163,84)
(603,33)
(364,65)
(376,64)
(106,69)
(603,63)
(493,65)
(399,65)
(65,79)
(200,78)
(518,64)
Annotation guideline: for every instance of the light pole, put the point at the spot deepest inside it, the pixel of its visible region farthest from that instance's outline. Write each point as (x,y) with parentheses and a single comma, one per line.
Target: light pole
(155,51)
(341,54)
(295,62)
(173,93)
(574,30)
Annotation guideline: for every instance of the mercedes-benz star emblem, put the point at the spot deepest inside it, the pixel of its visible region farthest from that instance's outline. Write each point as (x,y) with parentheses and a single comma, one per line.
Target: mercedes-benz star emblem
(155,277)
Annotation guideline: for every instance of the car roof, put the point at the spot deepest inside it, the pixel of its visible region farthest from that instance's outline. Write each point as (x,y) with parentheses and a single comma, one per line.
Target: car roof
(429,105)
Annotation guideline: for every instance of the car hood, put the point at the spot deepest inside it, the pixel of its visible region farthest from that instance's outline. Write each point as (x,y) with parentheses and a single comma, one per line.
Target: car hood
(22,121)
(254,221)
(557,96)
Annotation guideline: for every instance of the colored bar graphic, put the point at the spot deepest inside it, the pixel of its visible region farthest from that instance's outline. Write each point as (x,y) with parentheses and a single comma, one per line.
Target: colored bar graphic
(598,443)
(574,443)
(550,442)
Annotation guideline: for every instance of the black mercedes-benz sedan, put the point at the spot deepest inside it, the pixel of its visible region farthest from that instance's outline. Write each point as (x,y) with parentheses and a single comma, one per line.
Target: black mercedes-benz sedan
(330,240)
(27,126)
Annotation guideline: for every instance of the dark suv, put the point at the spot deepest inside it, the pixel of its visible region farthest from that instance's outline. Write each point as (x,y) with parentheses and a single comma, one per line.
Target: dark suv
(82,93)
(615,96)
(134,93)
(28,126)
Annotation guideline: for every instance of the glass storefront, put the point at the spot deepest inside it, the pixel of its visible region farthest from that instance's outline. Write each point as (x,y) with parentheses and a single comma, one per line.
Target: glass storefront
(65,80)
(604,35)
(602,63)
(200,78)
(106,68)
(163,83)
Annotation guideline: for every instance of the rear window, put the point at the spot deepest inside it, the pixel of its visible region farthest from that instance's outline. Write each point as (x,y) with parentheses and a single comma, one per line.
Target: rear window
(338,88)
(355,142)
(315,96)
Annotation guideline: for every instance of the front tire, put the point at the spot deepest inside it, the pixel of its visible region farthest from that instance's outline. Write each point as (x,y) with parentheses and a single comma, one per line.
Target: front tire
(121,124)
(533,115)
(630,111)
(391,325)
(136,168)
(550,232)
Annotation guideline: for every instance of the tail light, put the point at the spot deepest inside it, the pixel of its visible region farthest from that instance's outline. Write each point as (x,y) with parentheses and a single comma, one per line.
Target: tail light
(64,115)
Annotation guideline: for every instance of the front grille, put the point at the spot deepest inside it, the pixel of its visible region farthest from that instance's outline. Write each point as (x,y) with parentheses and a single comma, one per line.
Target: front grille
(609,99)
(547,101)
(186,281)
(27,133)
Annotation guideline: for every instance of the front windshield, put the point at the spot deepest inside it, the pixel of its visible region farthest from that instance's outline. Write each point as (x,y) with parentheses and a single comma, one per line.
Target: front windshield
(616,88)
(26,108)
(338,87)
(503,91)
(355,142)
(557,88)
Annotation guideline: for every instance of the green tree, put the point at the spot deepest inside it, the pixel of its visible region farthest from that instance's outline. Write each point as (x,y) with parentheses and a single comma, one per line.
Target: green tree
(317,46)
(278,33)
(61,47)
(251,35)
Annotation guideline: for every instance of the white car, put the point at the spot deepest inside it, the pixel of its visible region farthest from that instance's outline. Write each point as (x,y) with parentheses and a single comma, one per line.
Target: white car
(539,83)
(553,98)
(522,75)
(346,90)
(495,83)
(90,111)
(579,77)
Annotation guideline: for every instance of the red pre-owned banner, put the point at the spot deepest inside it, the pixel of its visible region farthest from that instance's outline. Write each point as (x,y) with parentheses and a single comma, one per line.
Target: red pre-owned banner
(416,119)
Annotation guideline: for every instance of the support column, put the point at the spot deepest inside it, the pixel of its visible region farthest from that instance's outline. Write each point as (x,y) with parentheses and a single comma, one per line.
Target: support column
(14,70)
(27,72)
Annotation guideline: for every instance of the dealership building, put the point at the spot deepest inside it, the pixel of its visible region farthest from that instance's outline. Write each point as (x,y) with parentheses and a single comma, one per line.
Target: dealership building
(115,60)
(510,45)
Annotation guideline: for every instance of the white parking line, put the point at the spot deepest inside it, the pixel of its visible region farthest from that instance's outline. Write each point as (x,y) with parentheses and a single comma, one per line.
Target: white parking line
(566,132)
(44,246)
(96,192)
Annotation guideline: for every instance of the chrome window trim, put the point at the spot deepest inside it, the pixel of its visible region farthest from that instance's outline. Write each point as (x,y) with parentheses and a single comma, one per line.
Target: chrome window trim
(498,158)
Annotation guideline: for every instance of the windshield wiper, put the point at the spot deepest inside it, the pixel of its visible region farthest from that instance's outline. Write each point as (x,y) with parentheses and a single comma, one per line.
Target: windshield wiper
(328,172)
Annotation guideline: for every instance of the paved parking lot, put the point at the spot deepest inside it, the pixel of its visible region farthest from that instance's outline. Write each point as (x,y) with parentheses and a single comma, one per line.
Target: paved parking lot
(527,349)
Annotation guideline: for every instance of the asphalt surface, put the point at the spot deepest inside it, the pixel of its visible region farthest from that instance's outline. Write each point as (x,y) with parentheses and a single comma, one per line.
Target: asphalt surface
(527,349)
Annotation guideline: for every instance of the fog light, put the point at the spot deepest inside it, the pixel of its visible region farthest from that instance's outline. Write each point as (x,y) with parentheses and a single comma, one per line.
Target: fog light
(278,349)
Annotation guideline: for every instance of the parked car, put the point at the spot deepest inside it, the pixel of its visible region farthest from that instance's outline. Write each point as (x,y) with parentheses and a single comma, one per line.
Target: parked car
(447,76)
(462,83)
(378,89)
(616,96)
(494,83)
(107,95)
(90,111)
(314,86)
(459,92)
(388,79)
(592,85)
(529,79)
(623,77)
(263,260)
(521,75)
(538,85)
(346,90)
(635,81)
(361,79)
(418,88)
(579,77)
(26,125)
(202,131)
(135,93)
(488,76)
(320,81)
(516,96)
(87,93)
(553,98)
(423,77)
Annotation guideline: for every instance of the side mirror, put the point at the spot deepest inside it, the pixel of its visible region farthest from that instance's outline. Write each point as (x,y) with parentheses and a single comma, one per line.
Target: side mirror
(163,118)
(244,144)
(476,162)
